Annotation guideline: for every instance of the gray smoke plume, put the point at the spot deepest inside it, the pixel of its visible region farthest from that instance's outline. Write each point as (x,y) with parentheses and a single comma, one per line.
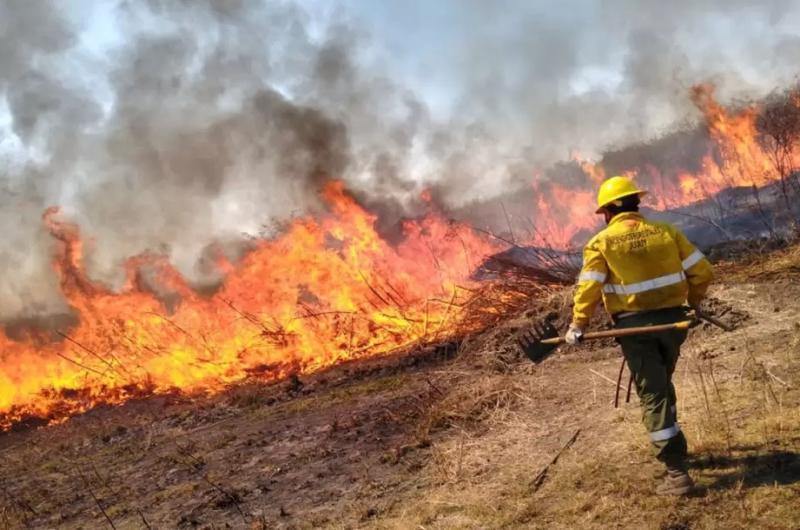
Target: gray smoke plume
(203,120)
(189,137)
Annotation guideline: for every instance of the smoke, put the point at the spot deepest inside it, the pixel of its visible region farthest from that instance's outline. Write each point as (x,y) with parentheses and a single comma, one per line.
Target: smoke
(204,123)
(203,120)
(547,80)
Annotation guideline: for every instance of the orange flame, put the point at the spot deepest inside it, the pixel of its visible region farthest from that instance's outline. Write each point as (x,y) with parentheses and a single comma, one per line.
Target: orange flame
(327,290)
(594,171)
(735,158)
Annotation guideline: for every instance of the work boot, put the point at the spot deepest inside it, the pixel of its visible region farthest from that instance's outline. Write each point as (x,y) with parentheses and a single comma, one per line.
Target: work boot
(676,482)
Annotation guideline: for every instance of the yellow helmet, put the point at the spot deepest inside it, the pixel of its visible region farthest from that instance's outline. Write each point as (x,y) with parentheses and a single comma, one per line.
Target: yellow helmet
(616,188)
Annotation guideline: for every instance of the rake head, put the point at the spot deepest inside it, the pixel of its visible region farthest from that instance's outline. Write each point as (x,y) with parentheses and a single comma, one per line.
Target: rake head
(530,342)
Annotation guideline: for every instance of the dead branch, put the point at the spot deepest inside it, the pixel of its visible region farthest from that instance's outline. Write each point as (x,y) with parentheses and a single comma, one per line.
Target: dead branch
(80,365)
(247,316)
(436,388)
(598,374)
(176,326)
(372,289)
(708,220)
(776,378)
(144,521)
(92,353)
(94,497)
(196,466)
(539,479)
(106,482)
(508,222)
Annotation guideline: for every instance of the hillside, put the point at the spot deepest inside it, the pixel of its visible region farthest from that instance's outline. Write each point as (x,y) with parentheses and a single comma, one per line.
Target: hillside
(458,436)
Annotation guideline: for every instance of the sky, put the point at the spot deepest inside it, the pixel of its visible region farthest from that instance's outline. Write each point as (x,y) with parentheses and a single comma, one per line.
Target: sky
(172,125)
(427,44)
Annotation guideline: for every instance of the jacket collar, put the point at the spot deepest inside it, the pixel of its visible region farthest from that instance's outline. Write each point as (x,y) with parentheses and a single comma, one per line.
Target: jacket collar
(623,216)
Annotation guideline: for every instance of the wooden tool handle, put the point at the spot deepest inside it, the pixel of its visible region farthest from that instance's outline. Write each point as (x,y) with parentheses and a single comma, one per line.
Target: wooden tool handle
(624,332)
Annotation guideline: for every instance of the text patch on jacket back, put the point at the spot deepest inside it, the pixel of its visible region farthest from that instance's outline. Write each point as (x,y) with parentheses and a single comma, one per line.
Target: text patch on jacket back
(643,261)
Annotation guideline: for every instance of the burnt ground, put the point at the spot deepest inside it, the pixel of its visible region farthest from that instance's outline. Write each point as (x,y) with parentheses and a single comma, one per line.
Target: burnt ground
(445,438)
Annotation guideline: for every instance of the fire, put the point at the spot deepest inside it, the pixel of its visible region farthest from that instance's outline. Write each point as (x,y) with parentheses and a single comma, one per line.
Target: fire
(594,171)
(561,213)
(327,289)
(735,157)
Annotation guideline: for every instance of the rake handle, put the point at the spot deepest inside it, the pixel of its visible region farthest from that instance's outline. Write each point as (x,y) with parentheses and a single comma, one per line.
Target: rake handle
(624,332)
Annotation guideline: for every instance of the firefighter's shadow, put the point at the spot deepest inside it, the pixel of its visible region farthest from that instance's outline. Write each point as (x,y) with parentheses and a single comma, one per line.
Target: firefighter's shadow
(749,469)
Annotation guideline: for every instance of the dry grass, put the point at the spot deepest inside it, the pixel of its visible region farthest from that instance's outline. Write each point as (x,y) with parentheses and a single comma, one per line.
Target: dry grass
(762,264)
(739,397)
(481,400)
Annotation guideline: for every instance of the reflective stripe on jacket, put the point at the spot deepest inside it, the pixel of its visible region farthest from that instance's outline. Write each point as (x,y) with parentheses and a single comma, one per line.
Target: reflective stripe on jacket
(637,265)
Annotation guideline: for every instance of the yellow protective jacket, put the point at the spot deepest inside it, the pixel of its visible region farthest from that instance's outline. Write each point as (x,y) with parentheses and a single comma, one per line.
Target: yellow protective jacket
(638,265)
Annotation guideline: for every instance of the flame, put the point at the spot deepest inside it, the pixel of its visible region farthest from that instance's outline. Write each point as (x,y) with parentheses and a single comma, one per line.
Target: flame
(426,196)
(561,213)
(328,289)
(735,157)
(595,172)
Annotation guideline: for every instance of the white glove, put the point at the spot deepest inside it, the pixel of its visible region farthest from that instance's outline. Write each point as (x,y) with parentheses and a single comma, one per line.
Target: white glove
(574,334)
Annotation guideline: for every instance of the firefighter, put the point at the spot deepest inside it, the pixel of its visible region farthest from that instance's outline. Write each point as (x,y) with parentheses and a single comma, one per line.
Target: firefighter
(645,272)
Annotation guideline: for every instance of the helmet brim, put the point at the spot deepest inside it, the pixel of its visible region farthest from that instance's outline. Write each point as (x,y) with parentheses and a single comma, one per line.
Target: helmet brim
(639,193)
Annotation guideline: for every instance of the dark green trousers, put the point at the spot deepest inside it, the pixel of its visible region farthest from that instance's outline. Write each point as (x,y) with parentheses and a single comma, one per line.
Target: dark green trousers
(651,359)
